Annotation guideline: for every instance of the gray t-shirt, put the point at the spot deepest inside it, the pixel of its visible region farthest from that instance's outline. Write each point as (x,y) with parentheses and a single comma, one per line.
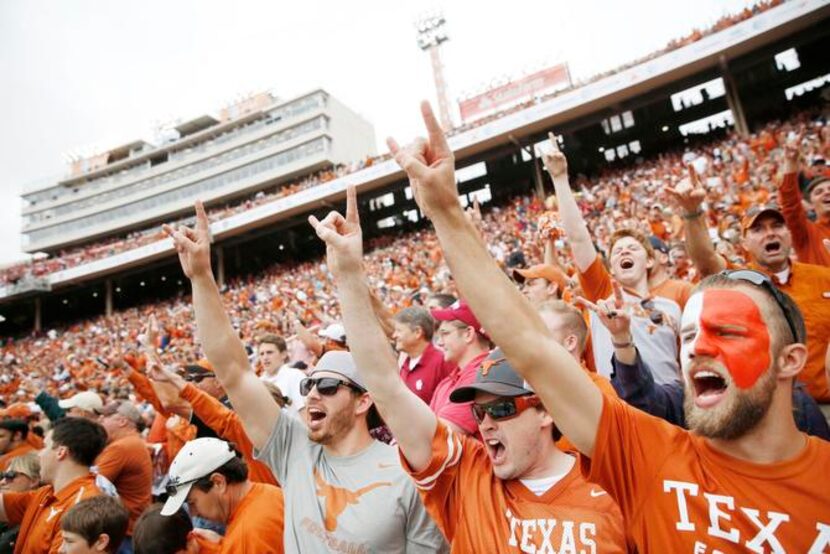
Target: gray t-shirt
(357,504)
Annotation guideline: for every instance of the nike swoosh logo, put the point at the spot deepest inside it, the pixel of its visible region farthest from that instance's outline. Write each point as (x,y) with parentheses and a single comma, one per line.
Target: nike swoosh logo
(595,493)
(385,466)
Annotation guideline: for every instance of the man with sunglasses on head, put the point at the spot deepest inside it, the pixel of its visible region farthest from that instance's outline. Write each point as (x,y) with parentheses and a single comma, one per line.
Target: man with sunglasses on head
(212,479)
(768,243)
(759,486)
(343,490)
(516,490)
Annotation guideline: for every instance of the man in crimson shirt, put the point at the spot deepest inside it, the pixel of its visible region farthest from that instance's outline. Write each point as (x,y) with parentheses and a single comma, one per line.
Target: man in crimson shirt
(465,344)
(422,366)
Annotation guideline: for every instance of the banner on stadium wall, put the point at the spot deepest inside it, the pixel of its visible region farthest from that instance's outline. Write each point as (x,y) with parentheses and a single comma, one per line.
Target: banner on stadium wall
(511,93)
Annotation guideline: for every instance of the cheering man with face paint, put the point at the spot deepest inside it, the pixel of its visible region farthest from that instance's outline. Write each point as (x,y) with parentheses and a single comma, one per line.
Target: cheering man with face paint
(758,485)
(768,242)
(517,491)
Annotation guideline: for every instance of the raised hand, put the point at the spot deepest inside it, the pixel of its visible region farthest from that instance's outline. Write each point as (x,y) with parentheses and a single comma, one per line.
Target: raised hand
(613,313)
(343,237)
(157,372)
(430,166)
(555,161)
(792,155)
(193,245)
(689,193)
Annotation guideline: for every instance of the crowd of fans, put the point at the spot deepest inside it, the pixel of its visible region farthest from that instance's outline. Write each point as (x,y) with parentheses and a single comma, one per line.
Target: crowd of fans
(75,256)
(259,414)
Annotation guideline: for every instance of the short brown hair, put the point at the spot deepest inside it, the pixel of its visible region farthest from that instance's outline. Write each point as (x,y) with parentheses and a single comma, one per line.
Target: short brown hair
(96,516)
(571,317)
(276,340)
(636,235)
(417,317)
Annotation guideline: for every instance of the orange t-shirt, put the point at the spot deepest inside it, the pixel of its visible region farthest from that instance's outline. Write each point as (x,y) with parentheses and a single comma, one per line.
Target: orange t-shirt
(807,235)
(478,512)
(679,494)
(257,523)
(39,513)
(127,464)
(19,450)
(226,424)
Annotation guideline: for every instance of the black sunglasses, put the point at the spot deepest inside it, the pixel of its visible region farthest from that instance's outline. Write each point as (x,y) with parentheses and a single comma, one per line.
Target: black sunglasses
(10,475)
(171,488)
(762,280)
(504,408)
(327,386)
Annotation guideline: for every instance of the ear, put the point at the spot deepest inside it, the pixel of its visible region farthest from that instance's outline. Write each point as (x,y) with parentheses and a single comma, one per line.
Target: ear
(545,419)
(791,360)
(363,404)
(101,544)
(553,290)
(649,263)
(571,343)
(61,453)
(219,482)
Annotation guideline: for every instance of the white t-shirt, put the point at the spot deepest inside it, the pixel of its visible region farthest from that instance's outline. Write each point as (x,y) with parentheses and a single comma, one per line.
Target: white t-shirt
(288,380)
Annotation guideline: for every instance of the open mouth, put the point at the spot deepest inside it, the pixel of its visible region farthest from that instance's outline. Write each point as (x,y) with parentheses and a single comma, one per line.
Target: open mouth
(709,388)
(773,247)
(315,417)
(626,263)
(496,451)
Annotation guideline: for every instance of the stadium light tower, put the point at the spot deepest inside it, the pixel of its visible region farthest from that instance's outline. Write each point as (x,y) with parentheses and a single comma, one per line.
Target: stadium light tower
(432,33)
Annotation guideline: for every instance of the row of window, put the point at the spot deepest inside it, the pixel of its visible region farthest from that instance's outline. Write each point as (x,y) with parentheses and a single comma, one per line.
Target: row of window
(147,185)
(188,192)
(306,104)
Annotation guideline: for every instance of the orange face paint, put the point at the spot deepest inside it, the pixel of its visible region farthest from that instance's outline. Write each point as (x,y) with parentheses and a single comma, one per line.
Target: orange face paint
(730,329)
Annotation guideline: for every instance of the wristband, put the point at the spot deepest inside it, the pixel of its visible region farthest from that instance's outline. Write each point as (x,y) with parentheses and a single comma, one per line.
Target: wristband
(692,215)
(628,344)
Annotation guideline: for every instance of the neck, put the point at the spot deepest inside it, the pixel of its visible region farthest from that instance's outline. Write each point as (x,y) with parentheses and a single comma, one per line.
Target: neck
(274,370)
(549,461)
(355,440)
(469,354)
(66,473)
(774,439)
(417,350)
(658,276)
(237,493)
(121,433)
(775,267)
(640,286)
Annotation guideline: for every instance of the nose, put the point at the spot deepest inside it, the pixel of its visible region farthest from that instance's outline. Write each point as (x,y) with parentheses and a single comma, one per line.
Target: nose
(704,347)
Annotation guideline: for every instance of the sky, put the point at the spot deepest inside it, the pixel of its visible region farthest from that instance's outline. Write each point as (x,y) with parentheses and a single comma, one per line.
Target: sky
(85,75)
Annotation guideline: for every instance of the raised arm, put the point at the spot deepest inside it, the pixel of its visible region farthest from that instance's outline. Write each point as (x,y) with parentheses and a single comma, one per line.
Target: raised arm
(410,419)
(250,398)
(511,321)
(689,195)
(582,247)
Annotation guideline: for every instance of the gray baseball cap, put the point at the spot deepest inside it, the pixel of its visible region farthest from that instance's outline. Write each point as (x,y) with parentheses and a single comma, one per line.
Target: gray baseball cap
(495,376)
(340,362)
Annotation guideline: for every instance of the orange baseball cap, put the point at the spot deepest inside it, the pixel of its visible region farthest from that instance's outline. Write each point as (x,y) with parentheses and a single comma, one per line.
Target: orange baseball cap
(757,211)
(17,410)
(547,272)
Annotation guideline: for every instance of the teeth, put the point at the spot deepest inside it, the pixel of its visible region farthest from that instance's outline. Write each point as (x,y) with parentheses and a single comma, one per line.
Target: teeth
(493,442)
(702,374)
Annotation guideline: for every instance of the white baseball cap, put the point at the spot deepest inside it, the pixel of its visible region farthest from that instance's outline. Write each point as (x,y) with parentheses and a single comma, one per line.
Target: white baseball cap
(197,458)
(86,400)
(335,332)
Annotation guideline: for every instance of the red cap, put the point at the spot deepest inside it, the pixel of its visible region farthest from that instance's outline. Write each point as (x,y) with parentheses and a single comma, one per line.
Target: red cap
(460,311)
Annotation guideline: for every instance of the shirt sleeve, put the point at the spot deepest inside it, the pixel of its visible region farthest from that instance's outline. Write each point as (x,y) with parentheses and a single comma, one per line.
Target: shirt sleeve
(438,482)
(630,448)
(596,281)
(111,461)
(789,197)
(15,504)
(285,444)
(223,421)
(144,389)
(635,384)
(49,405)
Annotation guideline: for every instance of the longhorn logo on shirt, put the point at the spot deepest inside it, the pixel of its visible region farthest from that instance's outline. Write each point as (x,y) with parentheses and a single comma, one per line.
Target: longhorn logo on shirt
(338,498)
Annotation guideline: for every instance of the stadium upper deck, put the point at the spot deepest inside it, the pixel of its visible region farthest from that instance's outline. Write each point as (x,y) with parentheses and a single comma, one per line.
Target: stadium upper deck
(610,118)
(256,143)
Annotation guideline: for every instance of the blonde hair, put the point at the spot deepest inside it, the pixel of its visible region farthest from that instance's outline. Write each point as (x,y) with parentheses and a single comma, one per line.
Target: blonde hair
(27,464)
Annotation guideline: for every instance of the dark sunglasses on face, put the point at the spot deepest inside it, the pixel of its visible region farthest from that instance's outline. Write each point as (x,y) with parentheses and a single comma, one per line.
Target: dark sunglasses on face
(10,475)
(327,386)
(504,408)
(171,488)
(761,280)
